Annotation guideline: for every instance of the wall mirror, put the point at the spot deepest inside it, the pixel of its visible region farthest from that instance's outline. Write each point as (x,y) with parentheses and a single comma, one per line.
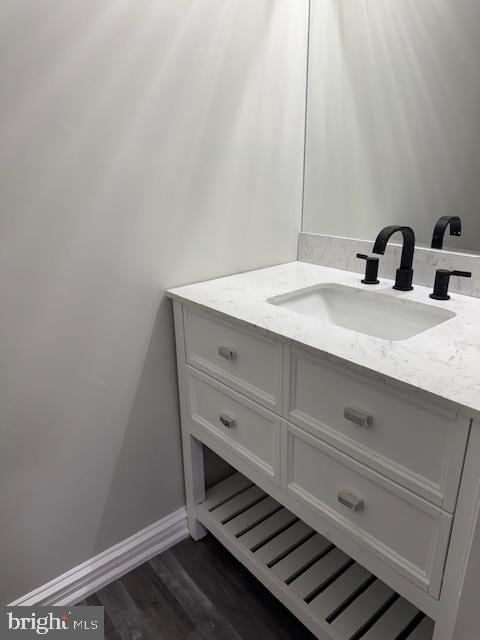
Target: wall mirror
(393,118)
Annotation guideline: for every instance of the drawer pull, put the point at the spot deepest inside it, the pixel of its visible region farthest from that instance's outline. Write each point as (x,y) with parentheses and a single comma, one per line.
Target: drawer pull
(349,500)
(362,418)
(227,421)
(227,352)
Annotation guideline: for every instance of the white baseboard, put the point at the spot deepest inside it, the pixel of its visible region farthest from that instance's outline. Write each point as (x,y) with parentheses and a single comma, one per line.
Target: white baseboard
(82,581)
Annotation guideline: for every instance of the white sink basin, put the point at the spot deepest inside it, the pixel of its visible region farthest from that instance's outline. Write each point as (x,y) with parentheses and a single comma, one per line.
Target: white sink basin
(377,314)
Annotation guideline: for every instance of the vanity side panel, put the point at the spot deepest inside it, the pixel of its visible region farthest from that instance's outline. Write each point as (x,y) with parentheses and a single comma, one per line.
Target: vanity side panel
(467,618)
(459,601)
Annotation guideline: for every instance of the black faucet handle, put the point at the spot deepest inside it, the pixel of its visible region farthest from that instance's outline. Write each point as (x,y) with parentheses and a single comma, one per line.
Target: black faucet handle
(442,282)
(371,269)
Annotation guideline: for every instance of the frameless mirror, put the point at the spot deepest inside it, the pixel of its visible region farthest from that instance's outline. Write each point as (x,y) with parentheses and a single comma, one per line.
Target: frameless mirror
(393,118)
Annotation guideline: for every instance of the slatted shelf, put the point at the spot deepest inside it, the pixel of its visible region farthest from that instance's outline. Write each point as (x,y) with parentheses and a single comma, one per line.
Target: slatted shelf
(268,529)
(282,544)
(341,591)
(227,511)
(226,490)
(330,592)
(399,616)
(321,572)
(424,631)
(361,612)
(300,559)
(244,522)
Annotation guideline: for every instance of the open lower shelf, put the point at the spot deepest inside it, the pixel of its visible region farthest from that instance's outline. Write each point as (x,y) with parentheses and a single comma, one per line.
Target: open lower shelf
(328,591)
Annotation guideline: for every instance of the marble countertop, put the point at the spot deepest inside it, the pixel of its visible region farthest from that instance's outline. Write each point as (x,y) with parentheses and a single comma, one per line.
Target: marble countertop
(443,362)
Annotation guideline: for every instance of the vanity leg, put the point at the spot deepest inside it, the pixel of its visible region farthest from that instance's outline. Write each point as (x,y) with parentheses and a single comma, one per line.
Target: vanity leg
(193,463)
(194,483)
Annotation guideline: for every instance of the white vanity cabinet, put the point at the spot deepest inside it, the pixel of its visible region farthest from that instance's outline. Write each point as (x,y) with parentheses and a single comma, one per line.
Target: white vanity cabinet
(347,485)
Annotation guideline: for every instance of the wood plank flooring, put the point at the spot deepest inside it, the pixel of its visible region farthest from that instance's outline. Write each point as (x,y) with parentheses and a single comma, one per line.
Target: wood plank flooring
(194,591)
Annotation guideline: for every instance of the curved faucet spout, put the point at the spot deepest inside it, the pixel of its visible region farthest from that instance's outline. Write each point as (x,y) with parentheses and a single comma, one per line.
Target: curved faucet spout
(440,228)
(408,243)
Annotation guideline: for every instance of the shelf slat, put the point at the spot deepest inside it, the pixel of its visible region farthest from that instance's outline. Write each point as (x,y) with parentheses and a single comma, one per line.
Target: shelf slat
(362,610)
(238,504)
(339,592)
(252,516)
(282,544)
(301,557)
(264,531)
(226,490)
(320,573)
(396,619)
(424,631)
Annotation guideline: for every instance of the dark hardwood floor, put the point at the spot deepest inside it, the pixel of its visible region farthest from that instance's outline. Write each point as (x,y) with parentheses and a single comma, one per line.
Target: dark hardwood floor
(194,591)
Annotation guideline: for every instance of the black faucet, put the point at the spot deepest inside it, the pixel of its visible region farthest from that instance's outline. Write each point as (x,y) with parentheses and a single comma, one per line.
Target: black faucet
(440,228)
(404,277)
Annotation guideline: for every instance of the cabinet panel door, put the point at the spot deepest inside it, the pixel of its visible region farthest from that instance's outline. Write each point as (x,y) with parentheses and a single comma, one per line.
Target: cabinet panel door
(239,357)
(245,427)
(405,531)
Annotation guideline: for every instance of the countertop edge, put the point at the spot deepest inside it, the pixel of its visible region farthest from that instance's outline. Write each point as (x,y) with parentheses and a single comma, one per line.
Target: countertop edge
(372,374)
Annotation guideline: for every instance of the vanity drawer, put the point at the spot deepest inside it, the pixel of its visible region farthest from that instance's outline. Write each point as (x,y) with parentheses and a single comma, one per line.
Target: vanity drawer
(247,429)
(250,363)
(405,531)
(418,444)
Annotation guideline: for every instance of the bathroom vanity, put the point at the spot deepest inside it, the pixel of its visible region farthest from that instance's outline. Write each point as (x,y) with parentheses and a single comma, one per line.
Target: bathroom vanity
(350,417)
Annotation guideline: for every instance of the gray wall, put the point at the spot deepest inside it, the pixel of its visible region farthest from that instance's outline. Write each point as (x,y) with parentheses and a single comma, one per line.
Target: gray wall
(143,144)
(393,128)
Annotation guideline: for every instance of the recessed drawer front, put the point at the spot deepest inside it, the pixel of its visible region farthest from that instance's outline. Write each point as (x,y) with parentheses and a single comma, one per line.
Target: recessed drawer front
(250,363)
(243,426)
(419,445)
(405,531)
